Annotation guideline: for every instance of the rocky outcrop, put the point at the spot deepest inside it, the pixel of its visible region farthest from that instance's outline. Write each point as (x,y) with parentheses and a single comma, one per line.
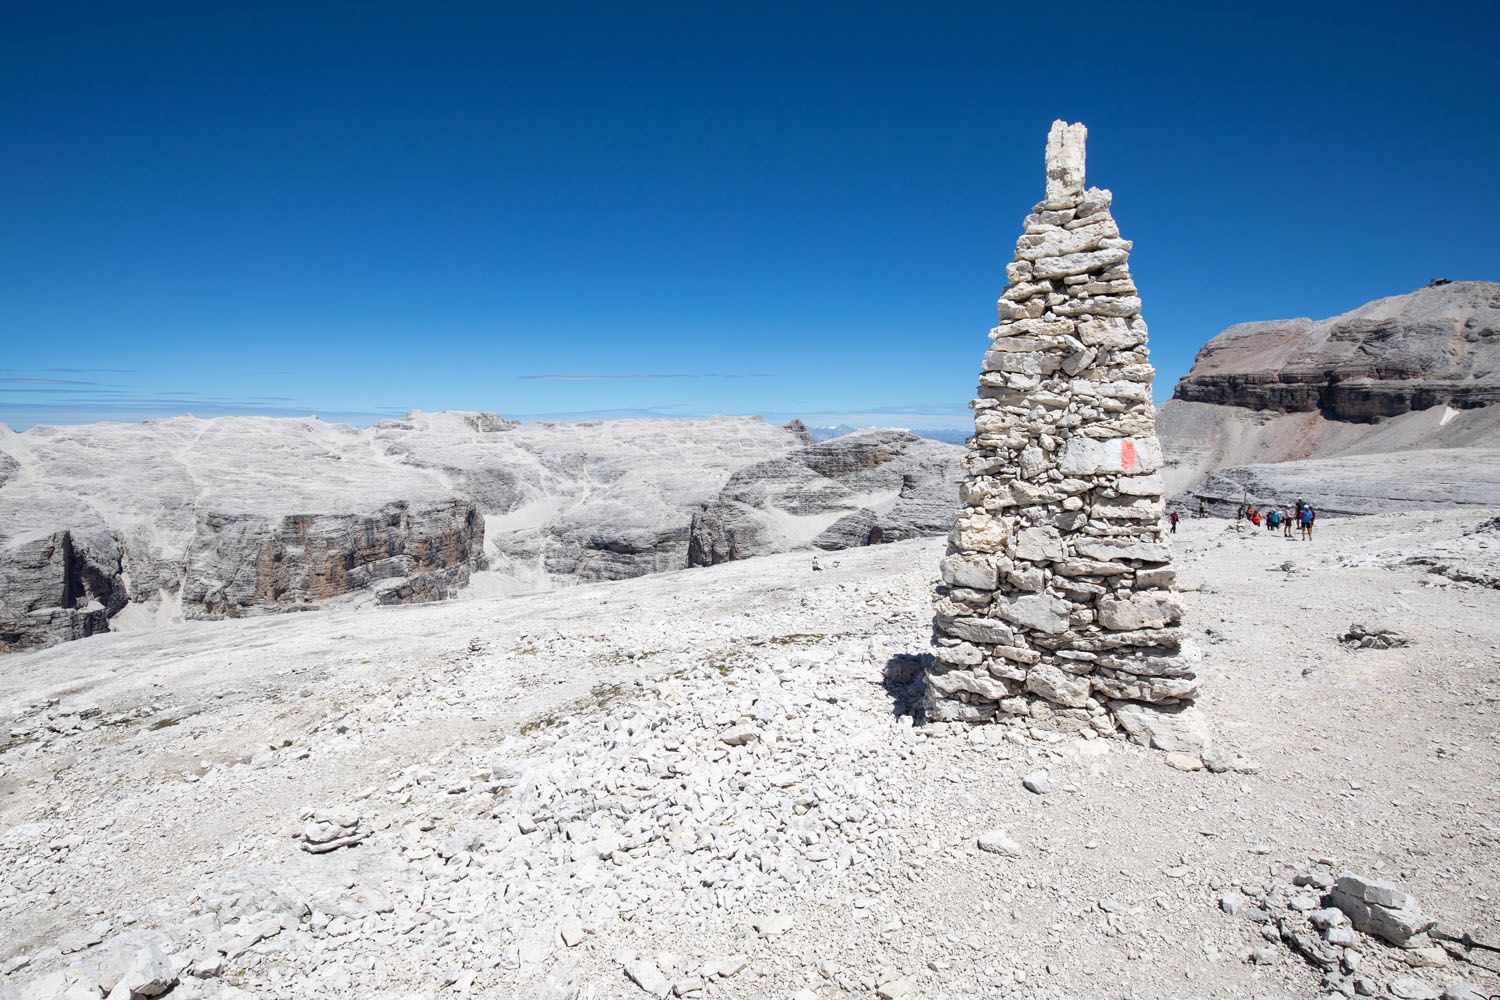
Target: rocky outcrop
(1057,605)
(863,488)
(59,587)
(243,515)
(1436,346)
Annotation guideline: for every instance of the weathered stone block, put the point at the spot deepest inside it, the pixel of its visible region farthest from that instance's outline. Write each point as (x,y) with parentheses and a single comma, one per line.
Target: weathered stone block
(962,654)
(1078,263)
(1396,923)
(1146,579)
(981,630)
(1058,687)
(1105,549)
(1065,161)
(973,572)
(1037,545)
(980,533)
(1036,611)
(1083,456)
(975,682)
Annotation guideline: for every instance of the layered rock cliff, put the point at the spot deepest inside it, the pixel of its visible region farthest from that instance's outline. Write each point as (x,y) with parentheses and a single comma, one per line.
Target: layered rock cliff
(1436,346)
(124,525)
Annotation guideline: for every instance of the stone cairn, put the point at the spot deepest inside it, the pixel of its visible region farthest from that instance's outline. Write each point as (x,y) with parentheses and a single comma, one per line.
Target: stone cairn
(1056,607)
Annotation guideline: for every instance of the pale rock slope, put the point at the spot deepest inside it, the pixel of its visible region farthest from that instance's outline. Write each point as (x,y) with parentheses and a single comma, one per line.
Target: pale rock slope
(128,525)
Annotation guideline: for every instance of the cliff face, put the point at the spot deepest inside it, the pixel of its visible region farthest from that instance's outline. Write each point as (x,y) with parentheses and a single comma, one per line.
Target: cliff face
(242,564)
(1435,346)
(60,586)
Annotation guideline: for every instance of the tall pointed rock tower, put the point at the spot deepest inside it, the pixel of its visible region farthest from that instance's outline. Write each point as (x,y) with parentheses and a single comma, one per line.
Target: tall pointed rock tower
(1056,607)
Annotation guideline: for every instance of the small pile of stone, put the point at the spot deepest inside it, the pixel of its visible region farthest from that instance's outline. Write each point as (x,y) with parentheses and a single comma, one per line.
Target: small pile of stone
(1379,908)
(1321,918)
(325,830)
(1362,636)
(1057,602)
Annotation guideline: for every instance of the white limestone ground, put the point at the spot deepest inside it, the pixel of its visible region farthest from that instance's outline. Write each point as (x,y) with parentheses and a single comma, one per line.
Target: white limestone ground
(700,781)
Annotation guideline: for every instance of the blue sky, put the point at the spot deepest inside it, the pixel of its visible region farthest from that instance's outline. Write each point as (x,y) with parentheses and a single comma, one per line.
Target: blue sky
(575,210)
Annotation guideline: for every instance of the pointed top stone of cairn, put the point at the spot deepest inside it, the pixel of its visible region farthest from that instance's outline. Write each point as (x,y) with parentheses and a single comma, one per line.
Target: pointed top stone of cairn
(1065,153)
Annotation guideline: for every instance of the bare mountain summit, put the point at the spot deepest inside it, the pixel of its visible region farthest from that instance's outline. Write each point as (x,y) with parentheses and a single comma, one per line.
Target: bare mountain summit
(1414,372)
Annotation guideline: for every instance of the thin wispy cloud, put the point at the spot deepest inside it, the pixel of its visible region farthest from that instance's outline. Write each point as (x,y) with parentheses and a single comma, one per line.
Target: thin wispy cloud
(81,388)
(640,376)
(91,371)
(19,380)
(21,415)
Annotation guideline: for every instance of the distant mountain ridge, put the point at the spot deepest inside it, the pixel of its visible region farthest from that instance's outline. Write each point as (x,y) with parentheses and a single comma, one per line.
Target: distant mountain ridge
(948,435)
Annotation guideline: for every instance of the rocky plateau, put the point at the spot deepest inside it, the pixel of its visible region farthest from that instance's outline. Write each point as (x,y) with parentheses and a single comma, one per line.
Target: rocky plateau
(126,526)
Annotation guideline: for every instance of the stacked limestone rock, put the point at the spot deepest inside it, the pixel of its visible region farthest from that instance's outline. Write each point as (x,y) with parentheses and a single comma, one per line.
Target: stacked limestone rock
(1057,603)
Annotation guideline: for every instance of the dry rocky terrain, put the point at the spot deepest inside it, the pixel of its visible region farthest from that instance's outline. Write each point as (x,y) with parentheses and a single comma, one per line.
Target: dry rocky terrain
(707,783)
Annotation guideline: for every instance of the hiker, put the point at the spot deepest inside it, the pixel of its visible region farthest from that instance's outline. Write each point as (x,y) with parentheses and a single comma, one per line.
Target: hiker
(1202,510)
(1307,522)
(816,567)
(1174,522)
(1286,523)
(1239,513)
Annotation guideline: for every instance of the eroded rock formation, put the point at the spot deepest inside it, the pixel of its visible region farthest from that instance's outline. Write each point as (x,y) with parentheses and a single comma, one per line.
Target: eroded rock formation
(1057,601)
(1418,372)
(243,563)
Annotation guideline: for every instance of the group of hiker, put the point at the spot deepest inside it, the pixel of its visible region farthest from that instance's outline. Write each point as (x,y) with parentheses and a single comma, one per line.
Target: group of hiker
(1301,515)
(1176,516)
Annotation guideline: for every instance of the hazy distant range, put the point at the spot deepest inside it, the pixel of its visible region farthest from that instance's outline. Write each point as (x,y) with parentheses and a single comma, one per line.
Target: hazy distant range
(951,435)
